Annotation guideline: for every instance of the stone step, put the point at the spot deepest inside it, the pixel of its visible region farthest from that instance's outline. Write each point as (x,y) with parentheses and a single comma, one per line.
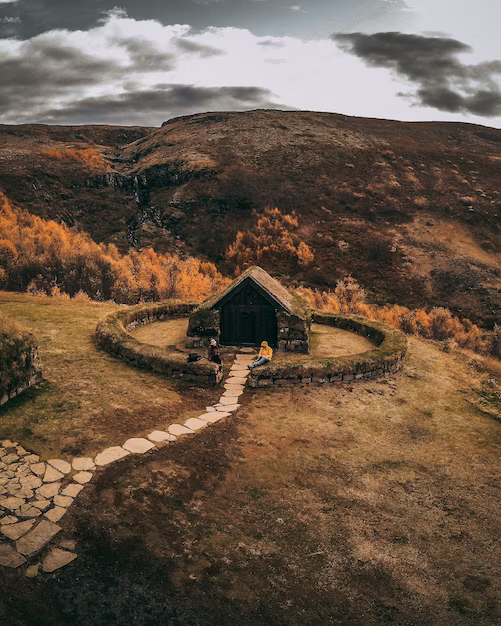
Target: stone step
(37,538)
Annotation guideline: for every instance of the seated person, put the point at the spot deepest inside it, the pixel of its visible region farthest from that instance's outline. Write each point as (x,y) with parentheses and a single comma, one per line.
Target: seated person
(214,353)
(264,356)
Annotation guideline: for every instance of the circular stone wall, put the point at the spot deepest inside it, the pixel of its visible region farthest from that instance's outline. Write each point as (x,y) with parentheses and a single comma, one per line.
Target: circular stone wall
(111,335)
(387,357)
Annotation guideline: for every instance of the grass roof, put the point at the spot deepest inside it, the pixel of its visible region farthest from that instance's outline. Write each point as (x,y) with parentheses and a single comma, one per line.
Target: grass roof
(282,296)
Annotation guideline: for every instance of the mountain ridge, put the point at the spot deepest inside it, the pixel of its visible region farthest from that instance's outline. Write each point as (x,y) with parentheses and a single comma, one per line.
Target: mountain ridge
(410,209)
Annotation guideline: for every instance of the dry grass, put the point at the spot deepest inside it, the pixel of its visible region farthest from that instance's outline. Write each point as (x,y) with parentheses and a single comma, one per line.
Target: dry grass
(369,504)
(88,399)
(162,334)
(324,340)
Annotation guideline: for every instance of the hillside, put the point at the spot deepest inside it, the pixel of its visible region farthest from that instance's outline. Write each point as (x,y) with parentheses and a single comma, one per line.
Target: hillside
(409,209)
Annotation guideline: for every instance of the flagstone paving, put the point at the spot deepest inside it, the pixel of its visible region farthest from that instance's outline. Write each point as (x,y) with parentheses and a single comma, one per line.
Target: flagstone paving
(57,558)
(138,445)
(36,494)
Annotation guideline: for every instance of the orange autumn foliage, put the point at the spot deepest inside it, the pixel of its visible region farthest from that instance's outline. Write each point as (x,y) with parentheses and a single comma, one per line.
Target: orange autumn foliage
(50,258)
(90,157)
(272,238)
(439,324)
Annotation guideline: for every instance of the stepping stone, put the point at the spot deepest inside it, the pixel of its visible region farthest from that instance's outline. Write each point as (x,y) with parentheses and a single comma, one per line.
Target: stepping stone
(32,570)
(10,458)
(228,407)
(15,531)
(64,501)
(38,468)
(236,381)
(41,504)
(232,393)
(68,544)
(71,490)
(37,538)
(111,455)
(56,559)
(7,443)
(210,409)
(83,464)
(55,514)
(82,477)
(62,466)
(207,417)
(195,424)
(11,503)
(214,417)
(9,557)
(33,481)
(235,387)
(21,451)
(48,491)
(31,458)
(226,400)
(247,350)
(25,492)
(159,436)
(8,519)
(138,445)
(178,429)
(52,474)
(28,511)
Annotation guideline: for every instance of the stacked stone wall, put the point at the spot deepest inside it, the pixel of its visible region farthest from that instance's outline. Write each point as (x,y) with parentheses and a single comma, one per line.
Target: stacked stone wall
(293,333)
(20,365)
(390,347)
(112,335)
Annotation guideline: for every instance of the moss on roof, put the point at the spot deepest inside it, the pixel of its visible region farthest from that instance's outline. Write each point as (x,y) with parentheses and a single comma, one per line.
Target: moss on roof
(291,302)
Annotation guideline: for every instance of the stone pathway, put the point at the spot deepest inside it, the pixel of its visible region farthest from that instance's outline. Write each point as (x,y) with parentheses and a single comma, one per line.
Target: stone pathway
(35,494)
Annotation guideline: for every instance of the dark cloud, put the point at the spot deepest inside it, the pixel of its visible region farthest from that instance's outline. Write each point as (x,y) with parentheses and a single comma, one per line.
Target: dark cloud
(272,17)
(144,56)
(47,68)
(443,81)
(186,45)
(153,106)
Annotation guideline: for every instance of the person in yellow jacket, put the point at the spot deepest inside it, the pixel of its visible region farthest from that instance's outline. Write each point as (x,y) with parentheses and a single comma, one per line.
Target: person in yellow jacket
(264,355)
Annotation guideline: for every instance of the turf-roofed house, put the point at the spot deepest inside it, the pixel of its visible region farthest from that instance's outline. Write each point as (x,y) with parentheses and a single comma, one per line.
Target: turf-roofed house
(254,308)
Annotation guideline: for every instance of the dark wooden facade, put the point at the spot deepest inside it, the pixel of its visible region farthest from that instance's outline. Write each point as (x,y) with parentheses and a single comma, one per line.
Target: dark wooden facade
(248,316)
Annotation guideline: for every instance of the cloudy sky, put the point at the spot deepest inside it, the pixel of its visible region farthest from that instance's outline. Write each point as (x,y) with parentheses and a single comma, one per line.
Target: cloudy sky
(145,61)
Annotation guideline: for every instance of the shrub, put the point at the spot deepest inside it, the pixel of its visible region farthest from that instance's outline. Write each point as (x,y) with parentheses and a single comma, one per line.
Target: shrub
(273,238)
(49,258)
(349,297)
(90,157)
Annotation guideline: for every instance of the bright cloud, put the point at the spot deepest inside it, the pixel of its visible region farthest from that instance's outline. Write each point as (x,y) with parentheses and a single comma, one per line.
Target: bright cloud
(126,71)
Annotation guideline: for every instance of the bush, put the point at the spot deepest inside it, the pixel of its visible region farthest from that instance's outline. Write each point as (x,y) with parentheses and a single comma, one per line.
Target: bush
(19,359)
(48,258)
(439,324)
(273,238)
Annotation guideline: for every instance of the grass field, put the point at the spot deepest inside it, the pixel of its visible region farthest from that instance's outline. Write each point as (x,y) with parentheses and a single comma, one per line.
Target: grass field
(377,503)
(372,504)
(324,340)
(87,399)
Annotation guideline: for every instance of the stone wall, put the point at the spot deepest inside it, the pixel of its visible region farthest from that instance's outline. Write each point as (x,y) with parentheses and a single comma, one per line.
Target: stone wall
(293,333)
(390,347)
(20,364)
(203,324)
(111,335)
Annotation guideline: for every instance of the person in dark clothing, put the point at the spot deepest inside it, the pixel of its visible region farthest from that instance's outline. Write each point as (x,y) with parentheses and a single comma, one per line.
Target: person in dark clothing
(214,353)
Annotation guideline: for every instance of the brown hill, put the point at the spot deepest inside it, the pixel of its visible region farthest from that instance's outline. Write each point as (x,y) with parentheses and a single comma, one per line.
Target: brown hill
(409,209)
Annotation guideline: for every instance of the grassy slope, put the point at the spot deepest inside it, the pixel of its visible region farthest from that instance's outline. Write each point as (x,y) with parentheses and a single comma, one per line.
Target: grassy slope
(415,206)
(347,505)
(371,504)
(87,399)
